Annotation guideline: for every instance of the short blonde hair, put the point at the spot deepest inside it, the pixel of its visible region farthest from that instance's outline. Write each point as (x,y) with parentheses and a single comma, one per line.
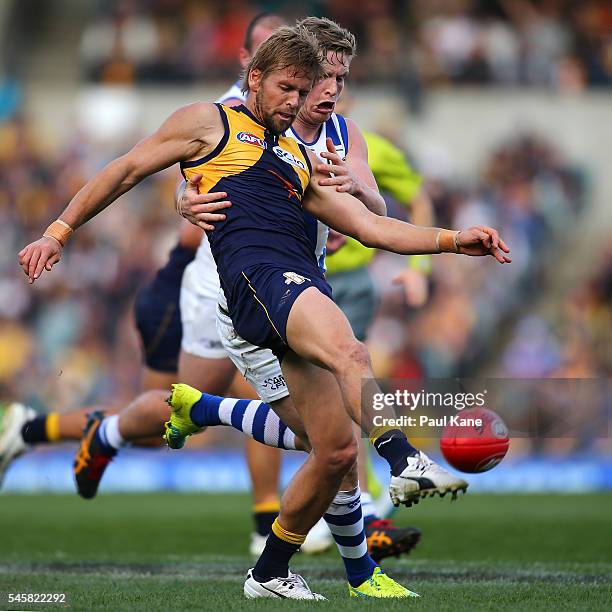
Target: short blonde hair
(330,36)
(288,47)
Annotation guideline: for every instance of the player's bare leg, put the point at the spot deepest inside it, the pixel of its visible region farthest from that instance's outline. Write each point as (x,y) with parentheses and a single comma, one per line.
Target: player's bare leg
(318,401)
(326,485)
(319,331)
(155,379)
(214,375)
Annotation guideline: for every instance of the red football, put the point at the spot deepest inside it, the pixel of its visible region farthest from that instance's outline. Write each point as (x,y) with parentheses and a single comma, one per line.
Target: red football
(476,440)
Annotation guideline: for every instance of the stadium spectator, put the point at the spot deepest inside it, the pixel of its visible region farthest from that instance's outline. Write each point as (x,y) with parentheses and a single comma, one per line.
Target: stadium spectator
(551,43)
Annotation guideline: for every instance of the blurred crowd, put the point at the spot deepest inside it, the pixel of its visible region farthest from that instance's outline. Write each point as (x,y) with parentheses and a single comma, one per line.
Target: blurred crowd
(68,340)
(564,44)
(528,191)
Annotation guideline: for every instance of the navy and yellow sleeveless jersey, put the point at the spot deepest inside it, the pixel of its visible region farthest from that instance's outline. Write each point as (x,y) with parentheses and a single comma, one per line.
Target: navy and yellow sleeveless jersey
(265,177)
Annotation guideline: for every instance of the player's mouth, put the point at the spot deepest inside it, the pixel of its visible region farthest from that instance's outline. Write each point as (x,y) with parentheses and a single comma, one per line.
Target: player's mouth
(286,116)
(325,107)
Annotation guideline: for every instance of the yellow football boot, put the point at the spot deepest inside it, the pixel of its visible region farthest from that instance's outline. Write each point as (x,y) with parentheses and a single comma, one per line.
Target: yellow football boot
(380,586)
(180,426)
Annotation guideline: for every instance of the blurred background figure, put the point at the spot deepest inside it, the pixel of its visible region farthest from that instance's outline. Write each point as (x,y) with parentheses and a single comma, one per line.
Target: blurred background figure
(503,107)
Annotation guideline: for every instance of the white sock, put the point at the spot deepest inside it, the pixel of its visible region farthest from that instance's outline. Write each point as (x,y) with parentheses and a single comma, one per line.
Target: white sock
(109,431)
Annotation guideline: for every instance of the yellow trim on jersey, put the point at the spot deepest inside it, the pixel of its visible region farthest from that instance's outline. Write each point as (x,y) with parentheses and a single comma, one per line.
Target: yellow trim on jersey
(262,305)
(241,147)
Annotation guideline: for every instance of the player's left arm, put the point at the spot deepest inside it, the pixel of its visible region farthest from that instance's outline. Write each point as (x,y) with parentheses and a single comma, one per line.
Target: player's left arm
(353,175)
(341,212)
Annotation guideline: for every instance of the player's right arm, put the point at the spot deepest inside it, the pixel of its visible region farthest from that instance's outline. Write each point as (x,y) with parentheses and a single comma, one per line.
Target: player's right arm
(347,215)
(189,133)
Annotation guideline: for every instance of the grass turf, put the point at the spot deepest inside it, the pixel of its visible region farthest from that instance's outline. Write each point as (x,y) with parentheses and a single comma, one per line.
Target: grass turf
(187,552)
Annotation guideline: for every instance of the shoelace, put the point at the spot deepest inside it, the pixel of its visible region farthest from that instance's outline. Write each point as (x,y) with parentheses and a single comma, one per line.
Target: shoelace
(383,580)
(294,580)
(424,463)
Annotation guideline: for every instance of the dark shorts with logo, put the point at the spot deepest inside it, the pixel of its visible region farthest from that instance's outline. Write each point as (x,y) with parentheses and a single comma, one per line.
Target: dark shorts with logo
(262,300)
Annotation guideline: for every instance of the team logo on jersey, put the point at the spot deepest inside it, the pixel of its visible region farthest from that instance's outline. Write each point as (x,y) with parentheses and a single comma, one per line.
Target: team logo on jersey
(289,158)
(292,277)
(249,138)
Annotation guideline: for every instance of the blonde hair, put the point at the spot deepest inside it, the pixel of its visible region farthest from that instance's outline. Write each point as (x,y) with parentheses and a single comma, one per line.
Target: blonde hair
(330,36)
(288,47)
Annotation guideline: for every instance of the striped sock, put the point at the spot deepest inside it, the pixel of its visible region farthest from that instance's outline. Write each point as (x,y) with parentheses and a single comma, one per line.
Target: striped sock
(252,417)
(345,521)
(109,432)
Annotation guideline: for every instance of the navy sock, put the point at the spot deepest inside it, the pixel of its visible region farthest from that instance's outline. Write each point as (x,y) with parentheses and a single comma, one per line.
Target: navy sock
(394,448)
(263,522)
(35,431)
(274,560)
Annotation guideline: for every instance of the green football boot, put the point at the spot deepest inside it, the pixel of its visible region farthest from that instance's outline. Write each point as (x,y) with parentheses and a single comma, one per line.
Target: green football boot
(380,586)
(180,426)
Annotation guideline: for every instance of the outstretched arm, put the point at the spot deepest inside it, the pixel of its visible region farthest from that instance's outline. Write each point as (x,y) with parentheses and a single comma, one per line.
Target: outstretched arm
(341,212)
(187,134)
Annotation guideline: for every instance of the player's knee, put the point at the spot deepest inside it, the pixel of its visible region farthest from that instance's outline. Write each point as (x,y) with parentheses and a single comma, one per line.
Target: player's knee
(154,403)
(340,459)
(352,356)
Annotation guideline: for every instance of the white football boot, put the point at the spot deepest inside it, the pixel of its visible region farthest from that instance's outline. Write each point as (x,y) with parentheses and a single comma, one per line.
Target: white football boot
(292,587)
(422,477)
(12,419)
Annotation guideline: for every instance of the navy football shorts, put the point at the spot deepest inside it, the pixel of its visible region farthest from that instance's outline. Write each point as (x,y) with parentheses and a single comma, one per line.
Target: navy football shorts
(158,321)
(262,299)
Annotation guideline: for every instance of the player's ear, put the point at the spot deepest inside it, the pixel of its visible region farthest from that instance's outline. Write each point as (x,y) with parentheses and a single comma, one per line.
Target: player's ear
(254,79)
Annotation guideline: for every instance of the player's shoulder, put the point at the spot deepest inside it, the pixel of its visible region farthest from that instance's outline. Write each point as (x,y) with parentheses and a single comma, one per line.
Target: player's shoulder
(232,102)
(196,114)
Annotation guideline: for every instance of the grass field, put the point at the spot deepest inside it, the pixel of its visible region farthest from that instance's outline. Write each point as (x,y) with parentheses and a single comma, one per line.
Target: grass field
(187,552)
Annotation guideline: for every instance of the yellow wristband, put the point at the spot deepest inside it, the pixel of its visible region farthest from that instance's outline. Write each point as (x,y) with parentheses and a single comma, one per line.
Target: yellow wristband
(59,230)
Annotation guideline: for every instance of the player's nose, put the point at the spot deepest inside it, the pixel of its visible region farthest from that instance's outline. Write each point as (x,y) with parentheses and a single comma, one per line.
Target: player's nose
(331,87)
(293,100)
